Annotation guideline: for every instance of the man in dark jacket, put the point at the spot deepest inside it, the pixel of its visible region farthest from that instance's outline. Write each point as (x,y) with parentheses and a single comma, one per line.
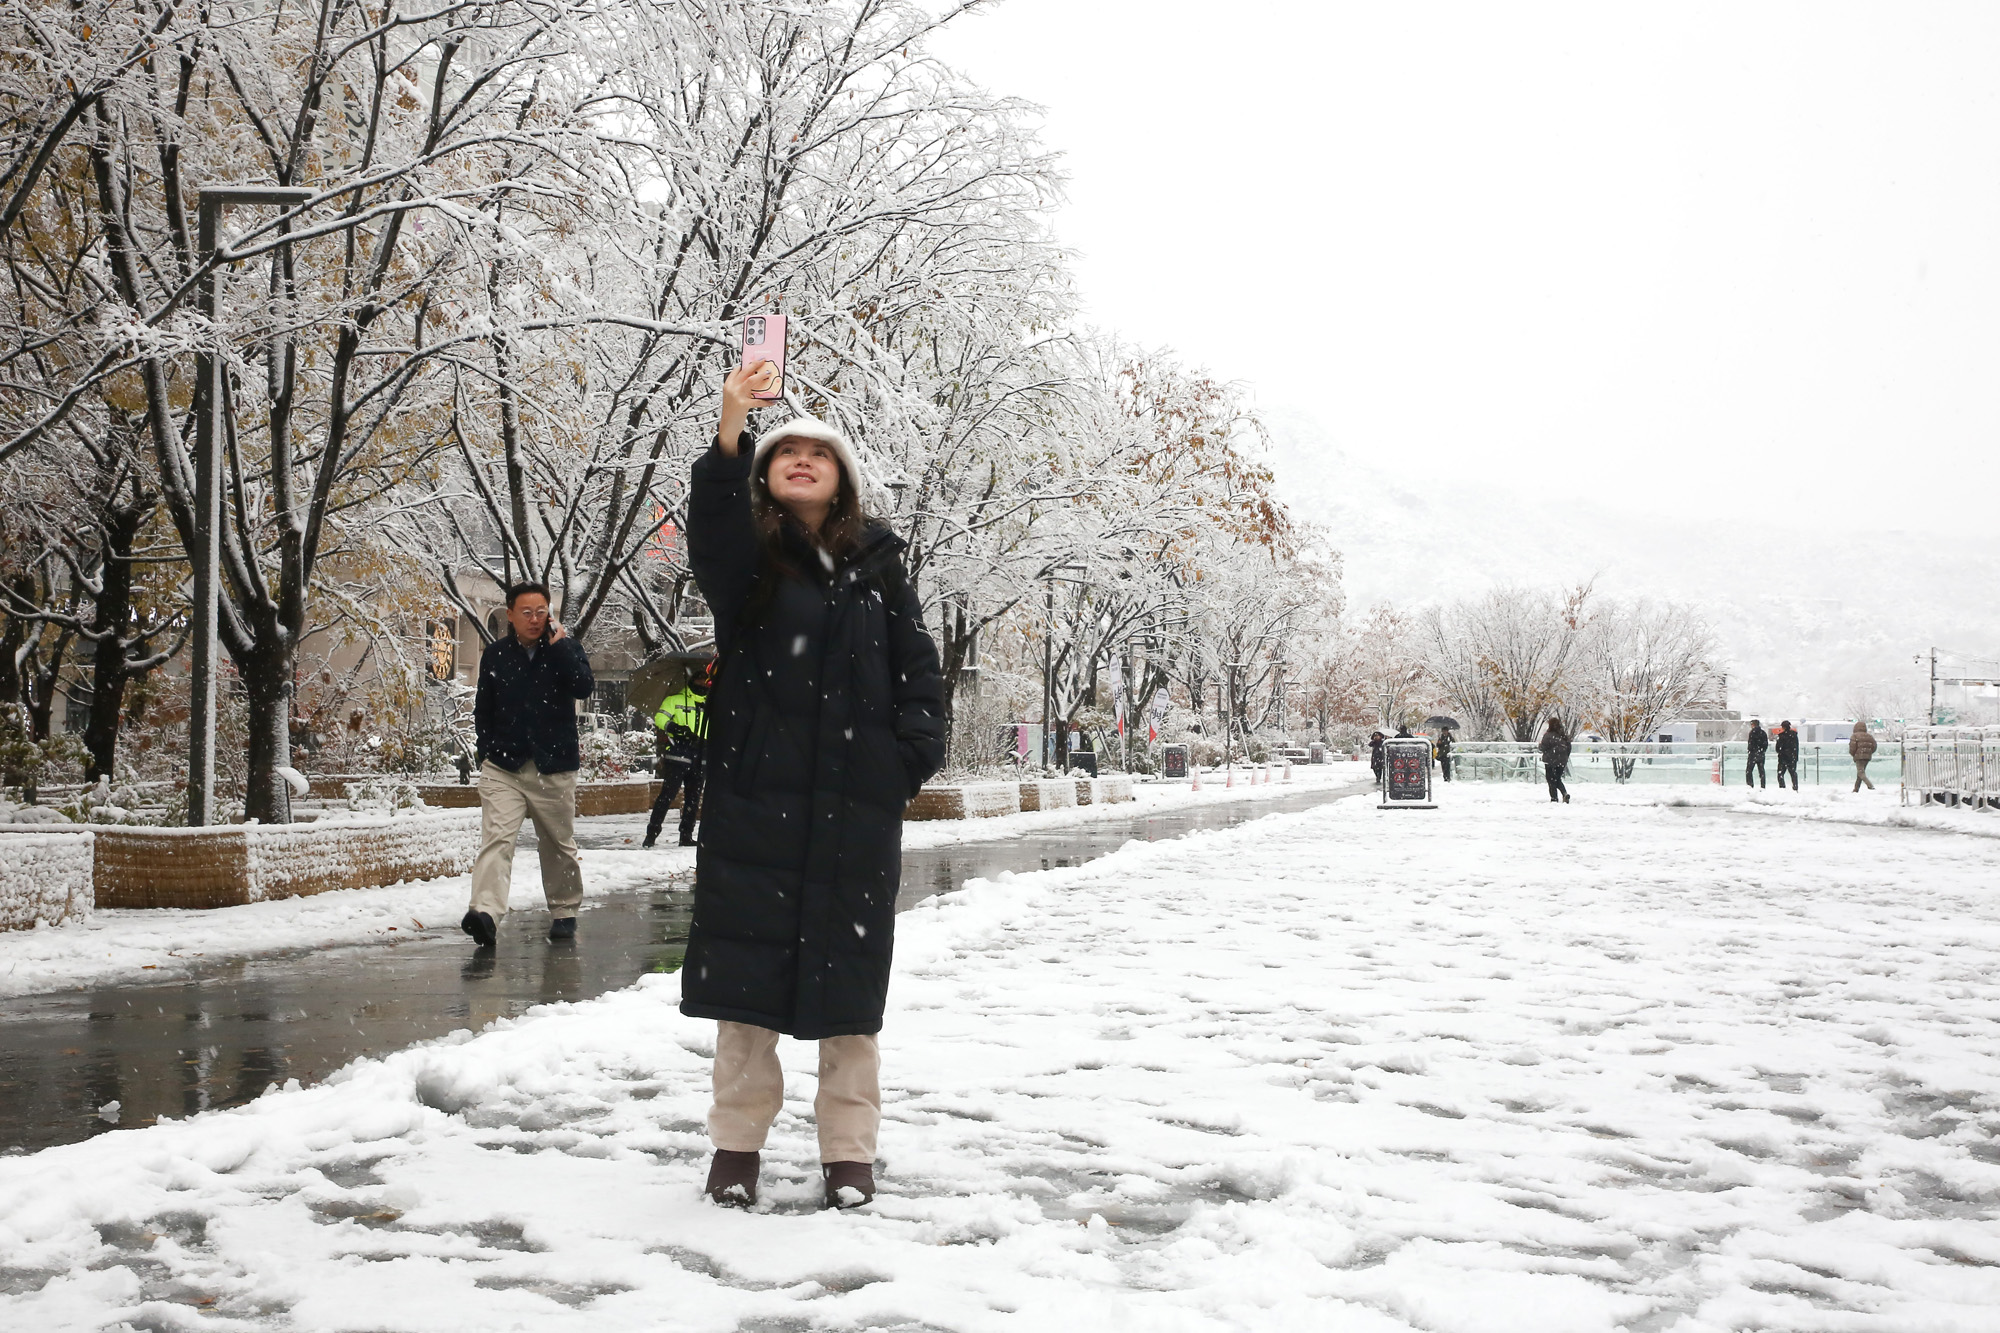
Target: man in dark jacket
(1753,759)
(524,718)
(1375,739)
(1443,745)
(1787,743)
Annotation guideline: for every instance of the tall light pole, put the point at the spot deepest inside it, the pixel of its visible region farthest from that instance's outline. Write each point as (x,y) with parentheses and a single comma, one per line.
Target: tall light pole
(1933,714)
(209,204)
(1930,718)
(1048,659)
(1229,720)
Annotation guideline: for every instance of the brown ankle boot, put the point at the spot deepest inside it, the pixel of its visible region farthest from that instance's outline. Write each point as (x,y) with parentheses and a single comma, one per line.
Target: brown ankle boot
(732,1178)
(848,1184)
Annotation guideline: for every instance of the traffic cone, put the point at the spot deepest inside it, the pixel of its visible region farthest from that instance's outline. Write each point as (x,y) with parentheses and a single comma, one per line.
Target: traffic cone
(1230,780)
(1196,770)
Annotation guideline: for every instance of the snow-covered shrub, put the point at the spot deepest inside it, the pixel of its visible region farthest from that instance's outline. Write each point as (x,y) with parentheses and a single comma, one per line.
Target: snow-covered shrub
(31,814)
(103,804)
(604,757)
(384,796)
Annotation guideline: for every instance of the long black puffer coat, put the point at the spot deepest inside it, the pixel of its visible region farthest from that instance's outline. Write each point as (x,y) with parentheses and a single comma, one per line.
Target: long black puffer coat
(1555,754)
(827,717)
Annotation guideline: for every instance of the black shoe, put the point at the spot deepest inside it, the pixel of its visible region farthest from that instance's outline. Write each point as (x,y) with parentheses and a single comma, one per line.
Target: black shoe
(732,1178)
(650,838)
(848,1184)
(561,929)
(480,926)
(1565,798)
(687,839)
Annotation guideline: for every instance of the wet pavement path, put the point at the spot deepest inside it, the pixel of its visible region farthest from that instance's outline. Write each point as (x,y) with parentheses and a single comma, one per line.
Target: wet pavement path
(219,1038)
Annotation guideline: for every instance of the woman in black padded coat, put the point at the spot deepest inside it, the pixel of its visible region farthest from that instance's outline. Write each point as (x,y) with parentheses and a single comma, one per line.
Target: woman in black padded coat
(826,717)
(1555,760)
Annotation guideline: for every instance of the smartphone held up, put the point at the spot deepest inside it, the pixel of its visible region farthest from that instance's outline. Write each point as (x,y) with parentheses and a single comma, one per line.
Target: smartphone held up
(764,340)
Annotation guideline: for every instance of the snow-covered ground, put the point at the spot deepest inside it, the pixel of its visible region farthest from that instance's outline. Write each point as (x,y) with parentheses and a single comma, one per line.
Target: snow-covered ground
(1504,1065)
(1833,804)
(125,944)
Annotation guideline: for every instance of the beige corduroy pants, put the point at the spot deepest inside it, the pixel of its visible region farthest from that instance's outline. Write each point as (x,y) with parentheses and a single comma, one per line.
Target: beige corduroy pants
(505,799)
(750,1091)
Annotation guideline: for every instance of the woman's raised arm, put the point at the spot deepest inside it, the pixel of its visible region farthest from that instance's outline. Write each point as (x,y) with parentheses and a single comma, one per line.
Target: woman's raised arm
(738,386)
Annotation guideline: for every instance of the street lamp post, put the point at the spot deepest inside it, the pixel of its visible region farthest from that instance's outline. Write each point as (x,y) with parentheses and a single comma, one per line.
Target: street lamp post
(1229,720)
(208,492)
(1048,659)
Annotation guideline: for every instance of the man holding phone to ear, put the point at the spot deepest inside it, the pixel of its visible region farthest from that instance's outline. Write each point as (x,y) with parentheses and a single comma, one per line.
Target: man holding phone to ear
(524,718)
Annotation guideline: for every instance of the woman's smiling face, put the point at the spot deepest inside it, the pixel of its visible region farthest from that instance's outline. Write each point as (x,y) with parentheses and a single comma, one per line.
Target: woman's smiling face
(804,476)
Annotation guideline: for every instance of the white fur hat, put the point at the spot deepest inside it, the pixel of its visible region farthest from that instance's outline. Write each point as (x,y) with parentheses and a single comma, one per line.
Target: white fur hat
(809,428)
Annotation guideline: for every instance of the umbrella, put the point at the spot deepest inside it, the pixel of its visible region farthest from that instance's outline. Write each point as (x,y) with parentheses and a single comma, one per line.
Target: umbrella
(661,677)
(1442,721)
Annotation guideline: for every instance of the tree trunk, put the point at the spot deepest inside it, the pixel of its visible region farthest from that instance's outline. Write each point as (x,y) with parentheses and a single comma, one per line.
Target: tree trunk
(42,699)
(110,615)
(108,679)
(267,680)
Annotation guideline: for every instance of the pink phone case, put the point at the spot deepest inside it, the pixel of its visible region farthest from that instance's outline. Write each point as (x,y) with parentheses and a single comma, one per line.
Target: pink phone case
(764,340)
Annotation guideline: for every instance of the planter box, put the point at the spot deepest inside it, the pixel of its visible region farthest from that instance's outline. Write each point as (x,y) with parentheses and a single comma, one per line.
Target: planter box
(1054,794)
(592,798)
(450,796)
(972,800)
(1113,790)
(45,877)
(247,863)
(617,798)
(333,786)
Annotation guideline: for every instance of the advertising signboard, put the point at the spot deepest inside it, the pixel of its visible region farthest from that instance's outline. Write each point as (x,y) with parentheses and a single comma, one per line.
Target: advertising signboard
(1406,774)
(1173,761)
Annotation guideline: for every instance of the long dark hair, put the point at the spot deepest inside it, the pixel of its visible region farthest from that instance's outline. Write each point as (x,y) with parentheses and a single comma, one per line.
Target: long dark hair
(840,536)
(1556,728)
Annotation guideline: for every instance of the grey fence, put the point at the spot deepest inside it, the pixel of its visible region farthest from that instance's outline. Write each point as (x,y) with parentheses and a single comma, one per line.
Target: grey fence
(1666,762)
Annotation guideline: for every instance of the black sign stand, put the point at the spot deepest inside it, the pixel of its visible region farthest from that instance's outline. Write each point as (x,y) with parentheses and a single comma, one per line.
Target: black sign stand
(1406,774)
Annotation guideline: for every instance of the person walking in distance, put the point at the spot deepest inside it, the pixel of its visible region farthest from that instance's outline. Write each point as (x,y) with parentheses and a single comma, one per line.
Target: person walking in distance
(826,717)
(1375,739)
(1786,743)
(1861,748)
(1753,755)
(1443,746)
(1555,759)
(681,725)
(524,723)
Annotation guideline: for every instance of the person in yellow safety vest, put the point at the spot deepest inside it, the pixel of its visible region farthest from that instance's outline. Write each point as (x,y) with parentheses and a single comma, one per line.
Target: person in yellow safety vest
(682,726)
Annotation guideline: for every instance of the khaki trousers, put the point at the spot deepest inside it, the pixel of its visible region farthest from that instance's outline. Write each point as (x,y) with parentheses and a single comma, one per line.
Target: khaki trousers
(750,1091)
(504,800)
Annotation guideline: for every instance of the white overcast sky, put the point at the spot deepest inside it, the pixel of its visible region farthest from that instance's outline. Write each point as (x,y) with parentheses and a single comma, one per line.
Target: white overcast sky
(1650,254)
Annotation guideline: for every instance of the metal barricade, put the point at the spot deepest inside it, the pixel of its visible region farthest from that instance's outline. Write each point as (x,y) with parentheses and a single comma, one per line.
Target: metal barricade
(1951,766)
(1647,763)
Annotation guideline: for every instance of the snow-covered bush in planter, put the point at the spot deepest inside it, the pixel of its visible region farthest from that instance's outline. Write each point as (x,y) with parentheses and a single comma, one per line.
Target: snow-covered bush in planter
(31,814)
(102,805)
(604,758)
(385,796)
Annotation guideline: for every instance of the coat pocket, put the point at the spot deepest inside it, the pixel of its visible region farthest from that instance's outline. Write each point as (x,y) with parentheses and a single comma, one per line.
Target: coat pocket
(751,755)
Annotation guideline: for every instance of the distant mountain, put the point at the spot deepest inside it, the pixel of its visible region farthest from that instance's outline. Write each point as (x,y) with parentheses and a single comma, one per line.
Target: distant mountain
(1817,612)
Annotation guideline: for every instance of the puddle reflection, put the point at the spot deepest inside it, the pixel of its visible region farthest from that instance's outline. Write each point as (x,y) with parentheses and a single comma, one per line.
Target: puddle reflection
(221,1038)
